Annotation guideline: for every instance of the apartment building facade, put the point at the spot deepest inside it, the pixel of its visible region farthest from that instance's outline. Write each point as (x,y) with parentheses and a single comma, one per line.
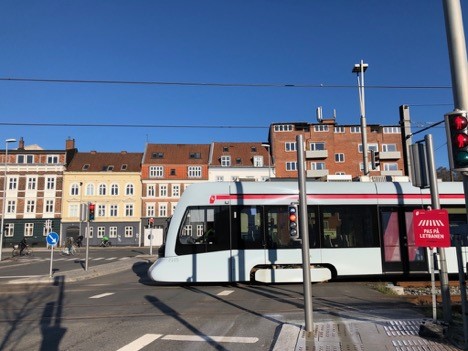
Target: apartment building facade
(334,152)
(166,171)
(112,182)
(33,195)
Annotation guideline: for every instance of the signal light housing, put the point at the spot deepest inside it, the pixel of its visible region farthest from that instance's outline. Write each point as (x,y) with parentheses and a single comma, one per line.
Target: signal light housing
(293,221)
(91,209)
(456,125)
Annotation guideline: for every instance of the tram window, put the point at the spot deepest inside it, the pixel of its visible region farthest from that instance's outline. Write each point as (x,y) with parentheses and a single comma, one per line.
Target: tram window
(349,226)
(458,227)
(204,229)
(249,227)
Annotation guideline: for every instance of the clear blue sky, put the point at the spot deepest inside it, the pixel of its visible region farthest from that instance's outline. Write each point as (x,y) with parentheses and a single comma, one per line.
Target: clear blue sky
(249,42)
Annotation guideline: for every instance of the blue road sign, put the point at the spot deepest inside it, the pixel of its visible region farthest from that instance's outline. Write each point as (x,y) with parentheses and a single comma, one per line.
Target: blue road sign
(52,238)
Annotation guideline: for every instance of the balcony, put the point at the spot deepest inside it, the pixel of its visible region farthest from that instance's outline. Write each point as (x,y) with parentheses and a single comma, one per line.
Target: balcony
(317,173)
(391,155)
(317,154)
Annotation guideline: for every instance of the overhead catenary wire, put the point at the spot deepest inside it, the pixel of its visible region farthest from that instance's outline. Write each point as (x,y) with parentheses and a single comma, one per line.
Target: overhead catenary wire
(217,84)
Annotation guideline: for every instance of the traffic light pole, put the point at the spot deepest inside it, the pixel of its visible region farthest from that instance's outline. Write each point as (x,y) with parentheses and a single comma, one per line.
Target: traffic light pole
(304,233)
(458,67)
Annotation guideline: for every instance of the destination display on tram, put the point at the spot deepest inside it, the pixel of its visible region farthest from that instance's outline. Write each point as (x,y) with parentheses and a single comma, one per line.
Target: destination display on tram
(431,228)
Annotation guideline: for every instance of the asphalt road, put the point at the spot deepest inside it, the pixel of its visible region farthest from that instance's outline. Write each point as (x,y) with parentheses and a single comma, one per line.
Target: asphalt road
(126,311)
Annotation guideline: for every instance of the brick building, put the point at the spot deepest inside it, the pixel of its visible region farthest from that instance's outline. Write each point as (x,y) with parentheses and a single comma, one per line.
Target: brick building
(334,152)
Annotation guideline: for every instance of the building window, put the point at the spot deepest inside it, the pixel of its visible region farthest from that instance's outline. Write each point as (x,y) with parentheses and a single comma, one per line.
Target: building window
(28,229)
(291,166)
(225,161)
(114,189)
(195,155)
(317,166)
(75,189)
(90,189)
(290,146)
(339,130)
(317,146)
(102,189)
(220,178)
(31,183)
(129,190)
(150,190)
(175,190)
(112,232)
(173,172)
(162,210)
(49,206)
(73,210)
(101,210)
(11,207)
(162,190)
(374,147)
(30,206)
(321,128)
(258,161)
(25,159)
(85,167)
(9,230)
(101,231)
(129,232)
(156,171)
(238,161)
(12,183)
(124,167)
(283,127)
(53,159)
(194,171)
(113,211)
(157,155)
(91,232)
(150,210)
(355,129)
(339,158)
(50,183)
(390,167)
(389,147)
(391,130)
(129,210)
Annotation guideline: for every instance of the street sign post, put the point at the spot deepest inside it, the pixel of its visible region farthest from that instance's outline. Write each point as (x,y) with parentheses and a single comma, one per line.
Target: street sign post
(431,228)
(52,239)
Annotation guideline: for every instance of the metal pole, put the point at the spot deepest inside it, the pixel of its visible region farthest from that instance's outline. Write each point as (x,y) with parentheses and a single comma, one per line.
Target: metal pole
(304,233)
(87,246)
(435,203)
(462,284)
(362,105)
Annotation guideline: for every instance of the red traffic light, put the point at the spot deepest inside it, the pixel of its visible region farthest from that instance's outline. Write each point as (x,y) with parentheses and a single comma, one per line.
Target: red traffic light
(460,140)
(458,122)
(292,217)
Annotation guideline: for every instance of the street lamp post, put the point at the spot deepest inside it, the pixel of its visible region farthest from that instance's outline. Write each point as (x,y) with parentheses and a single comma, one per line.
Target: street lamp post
(7,141)
(359,69)
(268,146)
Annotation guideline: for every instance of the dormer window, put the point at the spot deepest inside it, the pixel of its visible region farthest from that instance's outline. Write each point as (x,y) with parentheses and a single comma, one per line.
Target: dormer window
(110,168)
(85,167)
(225,148)
(253,149)
(157,155)
(195,155)
(238,161)
(123,167)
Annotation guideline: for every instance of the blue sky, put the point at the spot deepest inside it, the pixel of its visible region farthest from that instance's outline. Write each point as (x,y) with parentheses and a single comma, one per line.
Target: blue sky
(246,42)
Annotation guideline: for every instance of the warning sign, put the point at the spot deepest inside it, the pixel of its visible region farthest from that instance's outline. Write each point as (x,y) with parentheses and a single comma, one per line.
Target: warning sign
(431,228)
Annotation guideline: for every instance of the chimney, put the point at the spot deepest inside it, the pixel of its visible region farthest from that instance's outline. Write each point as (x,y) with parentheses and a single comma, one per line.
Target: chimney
(21,144)
(69,144)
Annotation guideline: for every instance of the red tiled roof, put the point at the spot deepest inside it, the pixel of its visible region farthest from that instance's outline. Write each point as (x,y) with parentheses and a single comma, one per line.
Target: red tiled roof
(177,154)
(103,162)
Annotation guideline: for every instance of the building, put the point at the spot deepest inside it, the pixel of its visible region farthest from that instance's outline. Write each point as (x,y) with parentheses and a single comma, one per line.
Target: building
(334,152)
(112,182)
(239,161)
(167,170)
(33,196)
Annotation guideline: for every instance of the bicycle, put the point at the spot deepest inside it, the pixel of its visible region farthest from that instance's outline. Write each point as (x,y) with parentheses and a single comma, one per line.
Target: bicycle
(27,251)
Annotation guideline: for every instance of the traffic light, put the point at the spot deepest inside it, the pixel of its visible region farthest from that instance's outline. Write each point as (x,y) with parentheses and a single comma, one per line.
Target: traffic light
(293,221)
(456,125)
(151,223)
(91,208)
(375,159)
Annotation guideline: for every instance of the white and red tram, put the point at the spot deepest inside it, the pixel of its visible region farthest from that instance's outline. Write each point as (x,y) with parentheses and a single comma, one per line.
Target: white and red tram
(234,232)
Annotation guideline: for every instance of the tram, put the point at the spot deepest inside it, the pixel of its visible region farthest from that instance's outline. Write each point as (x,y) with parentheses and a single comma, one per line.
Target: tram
(239,231)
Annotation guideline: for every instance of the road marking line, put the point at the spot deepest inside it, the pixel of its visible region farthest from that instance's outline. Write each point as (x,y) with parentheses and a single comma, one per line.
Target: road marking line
(98,259)
(110,258)
(141,342)
(101,295)
(235,339)
(21,276)
(124,258)
(225,293)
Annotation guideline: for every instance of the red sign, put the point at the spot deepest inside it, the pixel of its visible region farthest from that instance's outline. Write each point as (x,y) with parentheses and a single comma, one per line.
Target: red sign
(431,228)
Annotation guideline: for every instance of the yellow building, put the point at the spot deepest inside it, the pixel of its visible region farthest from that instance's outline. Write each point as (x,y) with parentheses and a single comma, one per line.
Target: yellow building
(110,181)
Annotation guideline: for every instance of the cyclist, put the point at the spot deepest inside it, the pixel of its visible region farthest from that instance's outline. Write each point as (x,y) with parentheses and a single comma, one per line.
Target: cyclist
(22,245)
(105,241)
(79,241)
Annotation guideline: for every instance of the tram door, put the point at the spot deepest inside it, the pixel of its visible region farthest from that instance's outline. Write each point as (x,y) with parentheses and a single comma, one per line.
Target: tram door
(399,253)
